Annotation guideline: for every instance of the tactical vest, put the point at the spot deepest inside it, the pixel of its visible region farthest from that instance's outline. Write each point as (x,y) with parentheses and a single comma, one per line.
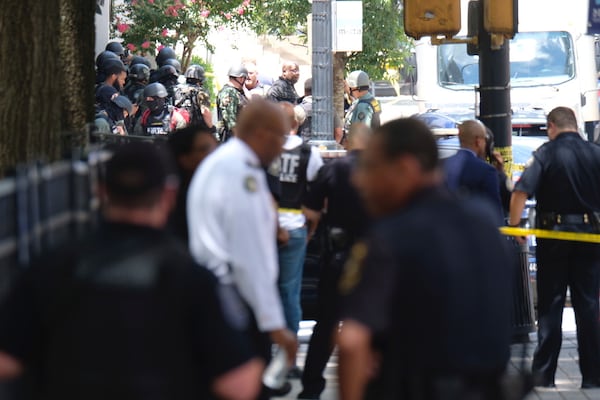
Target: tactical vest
(374,104)
(292,176)
(162,124)
(192,98)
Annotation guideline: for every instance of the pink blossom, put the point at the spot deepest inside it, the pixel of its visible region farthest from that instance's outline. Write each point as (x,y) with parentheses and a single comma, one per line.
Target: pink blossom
(172,11)
(151,1)
(146,44)
(228,15)
(134,2)
(246,3)
(204,13)
(241,11)
(122,27)
(159,48)
(221,28)
(165,32)
(131,47)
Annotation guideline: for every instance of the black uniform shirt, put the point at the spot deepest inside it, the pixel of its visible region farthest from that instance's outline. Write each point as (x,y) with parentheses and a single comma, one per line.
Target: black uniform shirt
(564,175)
(126,314)
(431,284)
(344,206)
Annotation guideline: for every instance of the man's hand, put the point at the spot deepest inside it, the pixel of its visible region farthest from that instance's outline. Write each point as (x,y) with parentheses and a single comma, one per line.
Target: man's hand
(283,236)
(286,340)
(497,161)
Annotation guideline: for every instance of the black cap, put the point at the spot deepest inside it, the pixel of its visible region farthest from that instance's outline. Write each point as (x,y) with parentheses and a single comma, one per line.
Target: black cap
(136,169)
(107,93)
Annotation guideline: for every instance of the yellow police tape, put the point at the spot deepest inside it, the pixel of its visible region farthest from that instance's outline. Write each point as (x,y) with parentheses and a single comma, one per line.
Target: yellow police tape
(547,234)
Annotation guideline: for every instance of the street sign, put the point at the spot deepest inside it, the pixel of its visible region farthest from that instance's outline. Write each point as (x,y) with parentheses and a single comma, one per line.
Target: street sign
(347,25)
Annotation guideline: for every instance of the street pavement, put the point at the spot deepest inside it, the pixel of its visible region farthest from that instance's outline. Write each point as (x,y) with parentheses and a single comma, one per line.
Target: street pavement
(568,377)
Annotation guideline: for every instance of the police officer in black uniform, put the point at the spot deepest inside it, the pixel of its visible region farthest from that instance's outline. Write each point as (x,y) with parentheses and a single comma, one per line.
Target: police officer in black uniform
(122,314)
(426,311)
(563,176)
(345,221)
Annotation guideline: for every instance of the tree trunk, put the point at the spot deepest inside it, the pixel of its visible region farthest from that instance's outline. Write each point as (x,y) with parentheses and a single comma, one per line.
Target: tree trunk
(43,64)
(339,75)
(77,31)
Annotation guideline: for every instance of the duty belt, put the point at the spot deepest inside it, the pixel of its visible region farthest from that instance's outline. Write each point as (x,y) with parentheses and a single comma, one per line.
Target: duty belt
(550,218)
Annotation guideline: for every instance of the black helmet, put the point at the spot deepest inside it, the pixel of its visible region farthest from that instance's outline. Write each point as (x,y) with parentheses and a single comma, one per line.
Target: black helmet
(112,66)
(195,71)
(238,71)
(105,55)
(155,90)
(174,63)
(141,60)
(164,54)
(165,71)
(139,72)
(116,48)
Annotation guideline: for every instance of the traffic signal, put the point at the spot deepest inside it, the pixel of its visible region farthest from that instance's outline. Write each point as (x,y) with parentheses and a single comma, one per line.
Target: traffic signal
(431,17)
(500,16)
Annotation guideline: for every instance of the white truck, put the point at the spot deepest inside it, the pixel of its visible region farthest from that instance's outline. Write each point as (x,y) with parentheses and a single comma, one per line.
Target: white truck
(552,63)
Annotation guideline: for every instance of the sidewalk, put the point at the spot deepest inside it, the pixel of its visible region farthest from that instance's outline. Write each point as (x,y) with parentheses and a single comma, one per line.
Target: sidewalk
(568,377)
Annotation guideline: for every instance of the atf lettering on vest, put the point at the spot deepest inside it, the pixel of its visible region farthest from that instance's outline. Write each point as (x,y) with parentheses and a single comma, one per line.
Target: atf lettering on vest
(292,176)
(289,167)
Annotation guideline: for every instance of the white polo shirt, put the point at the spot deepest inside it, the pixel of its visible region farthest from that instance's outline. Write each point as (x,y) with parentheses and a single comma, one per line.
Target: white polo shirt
(232,228)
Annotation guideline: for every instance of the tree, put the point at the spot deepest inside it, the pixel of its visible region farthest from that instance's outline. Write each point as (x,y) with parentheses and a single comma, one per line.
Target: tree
(46,76)
(147,25)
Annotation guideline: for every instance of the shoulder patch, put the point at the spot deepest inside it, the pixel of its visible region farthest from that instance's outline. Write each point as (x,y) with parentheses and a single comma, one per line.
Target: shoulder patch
(250,184)
(361,115)
(353,269)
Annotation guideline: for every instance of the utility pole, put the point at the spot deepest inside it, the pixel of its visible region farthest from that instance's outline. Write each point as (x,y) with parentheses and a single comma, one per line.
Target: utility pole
(494,88)
(322,70)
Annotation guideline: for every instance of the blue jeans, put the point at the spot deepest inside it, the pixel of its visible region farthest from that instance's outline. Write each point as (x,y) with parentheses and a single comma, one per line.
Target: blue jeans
(291,265)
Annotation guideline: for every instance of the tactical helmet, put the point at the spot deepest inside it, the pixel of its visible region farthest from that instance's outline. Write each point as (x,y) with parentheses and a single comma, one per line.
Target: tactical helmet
(141,60)
(174,63)
(166,71)
(164,54)
(139,72)
(112,66)
(238,71)
(155,90)
(195,71)
(105,55)
(116,48)
(358,79)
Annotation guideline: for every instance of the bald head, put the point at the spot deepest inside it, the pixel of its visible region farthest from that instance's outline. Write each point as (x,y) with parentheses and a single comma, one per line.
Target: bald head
(263,125)
(472,136)
(358,136)
(290,71)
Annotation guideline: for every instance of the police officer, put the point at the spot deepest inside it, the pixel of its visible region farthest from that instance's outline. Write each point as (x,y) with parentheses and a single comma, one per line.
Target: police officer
(230,101)
(167,76)
(346,221)
(122,313)
(192,97)
(118,49)
(137,79)
(410,289)
(163,55)
(113,108)
(160,118)
(365,107)
(112,72)
(299,165)
(563,176)
(232,221)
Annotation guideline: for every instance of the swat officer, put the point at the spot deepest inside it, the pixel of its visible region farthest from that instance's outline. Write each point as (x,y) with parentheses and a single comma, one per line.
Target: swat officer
(118,49)
(160,118)
(192,97)
(230,101)
(438,281)
(346,221)
(137,79)
(163,55)
(365,107)
(563,176)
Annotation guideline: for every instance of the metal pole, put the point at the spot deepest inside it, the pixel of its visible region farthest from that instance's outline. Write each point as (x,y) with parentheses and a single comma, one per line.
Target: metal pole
(494,88)
(322,71)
